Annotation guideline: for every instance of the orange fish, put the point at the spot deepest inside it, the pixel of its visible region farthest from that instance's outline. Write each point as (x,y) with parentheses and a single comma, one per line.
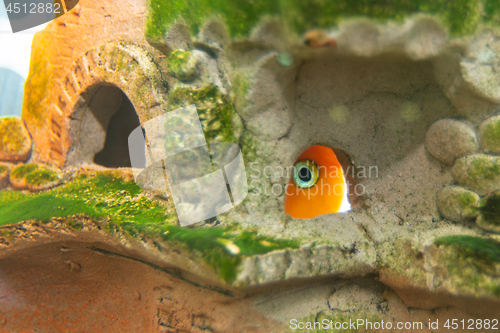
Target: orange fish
(317,185)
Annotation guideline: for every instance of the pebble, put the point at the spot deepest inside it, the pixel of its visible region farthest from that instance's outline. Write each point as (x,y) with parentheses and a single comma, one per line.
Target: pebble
(449,139)
(478,172)
(458,204)
(489,132)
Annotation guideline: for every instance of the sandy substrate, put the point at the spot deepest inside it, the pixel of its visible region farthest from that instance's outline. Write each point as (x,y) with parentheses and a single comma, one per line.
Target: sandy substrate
(69,287)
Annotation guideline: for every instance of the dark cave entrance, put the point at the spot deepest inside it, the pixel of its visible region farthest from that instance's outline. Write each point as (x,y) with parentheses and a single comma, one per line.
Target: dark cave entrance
(101,125)
(115,153)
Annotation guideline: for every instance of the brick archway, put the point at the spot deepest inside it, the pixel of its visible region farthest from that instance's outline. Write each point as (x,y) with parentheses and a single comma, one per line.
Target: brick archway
(126,66)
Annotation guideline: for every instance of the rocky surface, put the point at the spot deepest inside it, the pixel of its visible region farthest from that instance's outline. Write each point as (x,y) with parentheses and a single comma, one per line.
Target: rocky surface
(286,108)
(15,143)
(478,66)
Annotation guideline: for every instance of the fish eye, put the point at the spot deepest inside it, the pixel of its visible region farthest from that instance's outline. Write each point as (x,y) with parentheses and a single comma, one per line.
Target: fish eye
(305,174)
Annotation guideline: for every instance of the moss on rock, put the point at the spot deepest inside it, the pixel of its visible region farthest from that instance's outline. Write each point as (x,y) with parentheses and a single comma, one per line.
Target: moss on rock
(34,177)
(478,172)
(458,204)
(489,217)
(472,263)
(241,16)
(41,177)
(182,65)
(240,86)
(489,132)
(121,205)
(249,146)
(217,115)
(22,170)
(15,141)
(479,248)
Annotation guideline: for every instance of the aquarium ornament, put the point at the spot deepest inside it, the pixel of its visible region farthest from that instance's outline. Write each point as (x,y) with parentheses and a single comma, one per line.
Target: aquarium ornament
(204,180)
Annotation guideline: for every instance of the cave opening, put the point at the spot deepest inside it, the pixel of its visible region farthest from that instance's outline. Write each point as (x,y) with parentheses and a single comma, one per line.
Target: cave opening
(101,125)
(115,152)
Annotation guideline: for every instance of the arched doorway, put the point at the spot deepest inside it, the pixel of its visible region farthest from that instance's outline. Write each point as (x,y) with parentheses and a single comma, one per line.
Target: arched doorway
(59,123)
(115,153)
(100,127)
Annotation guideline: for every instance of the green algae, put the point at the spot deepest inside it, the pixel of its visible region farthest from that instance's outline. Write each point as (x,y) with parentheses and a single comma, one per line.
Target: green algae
(471,262)
(122,205)
(458,204)
(490,209)
(469,246)
(249,146)
(491,137)
(34,174)
(239,15)
(92,196)
(41,177)
(22,170)
(466,200)
(483,169)
(461,16)
(240,87)
(181,64)
(216,112)
(41,207)
(480,172)
(491,10)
